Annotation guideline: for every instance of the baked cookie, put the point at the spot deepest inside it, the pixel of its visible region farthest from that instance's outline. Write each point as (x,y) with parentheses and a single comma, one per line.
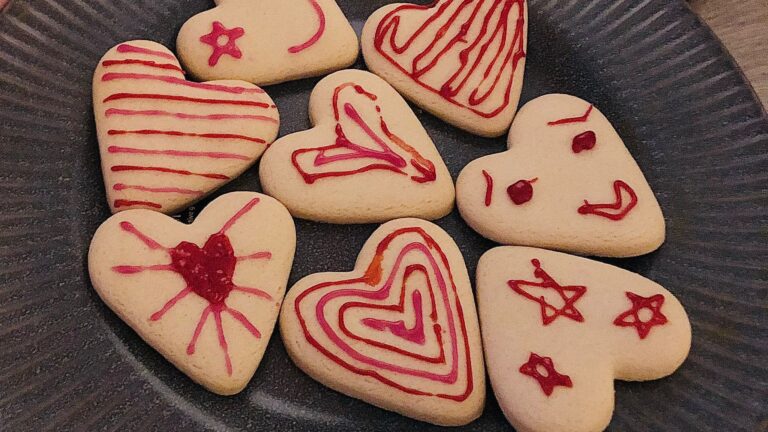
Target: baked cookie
(166,142)
(267,41)
(206,295)
(462,61)
(399,331)
(566,182)
(367,158)
(558,329)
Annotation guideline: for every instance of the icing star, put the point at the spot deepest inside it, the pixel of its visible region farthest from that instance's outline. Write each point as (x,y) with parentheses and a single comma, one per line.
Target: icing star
(631,318)
(550,379)
(569,294)
(228,48)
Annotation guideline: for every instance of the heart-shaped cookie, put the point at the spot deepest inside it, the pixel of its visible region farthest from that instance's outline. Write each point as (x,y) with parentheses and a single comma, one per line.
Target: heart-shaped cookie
(566,182)
(167,142)
(558,329)
(206,295)
(460,60)
(267,41)
(400,331)
(367,158)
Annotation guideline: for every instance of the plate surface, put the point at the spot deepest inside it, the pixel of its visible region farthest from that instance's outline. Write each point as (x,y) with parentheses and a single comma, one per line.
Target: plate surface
(680,103)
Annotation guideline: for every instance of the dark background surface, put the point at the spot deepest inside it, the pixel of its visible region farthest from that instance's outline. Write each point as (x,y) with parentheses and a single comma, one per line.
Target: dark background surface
(681,105)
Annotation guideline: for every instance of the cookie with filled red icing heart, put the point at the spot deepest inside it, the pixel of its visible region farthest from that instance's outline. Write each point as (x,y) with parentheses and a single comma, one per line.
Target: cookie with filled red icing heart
(166,142)
(399,331)
(462,61)
(205,295)
(366,159)
(566,182)
(267,41)
(558,329)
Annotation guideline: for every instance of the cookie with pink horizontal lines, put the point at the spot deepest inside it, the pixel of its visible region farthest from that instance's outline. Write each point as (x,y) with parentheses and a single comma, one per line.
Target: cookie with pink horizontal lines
(167,142)
(205,295)
(559,329)
(267,41)
(399,331)
(566,182)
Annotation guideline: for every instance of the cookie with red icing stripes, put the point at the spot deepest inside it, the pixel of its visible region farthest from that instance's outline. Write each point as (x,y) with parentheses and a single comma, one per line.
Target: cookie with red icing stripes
(166,142)
(399,331)
(366,159)
(461,60)
(566,182)
(558,329)
(205,295)
(267,41)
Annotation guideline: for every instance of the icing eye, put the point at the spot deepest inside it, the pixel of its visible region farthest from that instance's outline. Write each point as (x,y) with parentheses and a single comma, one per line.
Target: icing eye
(584,141)
(521,191)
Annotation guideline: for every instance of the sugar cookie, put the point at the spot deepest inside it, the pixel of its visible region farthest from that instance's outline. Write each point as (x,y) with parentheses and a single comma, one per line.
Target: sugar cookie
(566,182)
(367,158)
(206,295)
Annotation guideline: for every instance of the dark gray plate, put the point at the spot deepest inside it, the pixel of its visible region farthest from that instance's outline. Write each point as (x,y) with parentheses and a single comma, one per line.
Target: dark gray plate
(682,106)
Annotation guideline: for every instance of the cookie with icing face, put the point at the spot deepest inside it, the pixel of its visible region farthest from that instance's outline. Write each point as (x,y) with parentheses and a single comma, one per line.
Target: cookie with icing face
(399,331)
(558,329)
(267,41)
(205,295)
(566,182)
(460,60)
(367,158)
(166,142)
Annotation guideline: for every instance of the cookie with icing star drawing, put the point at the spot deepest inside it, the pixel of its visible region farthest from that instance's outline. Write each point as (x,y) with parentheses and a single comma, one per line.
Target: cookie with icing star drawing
(267,41)
(559,329)
(399,331)
(366,159)
(566,182)
(462,61)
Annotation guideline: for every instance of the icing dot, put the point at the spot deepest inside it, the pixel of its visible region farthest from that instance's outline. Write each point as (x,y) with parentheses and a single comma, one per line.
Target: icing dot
(584,141)
(521,191)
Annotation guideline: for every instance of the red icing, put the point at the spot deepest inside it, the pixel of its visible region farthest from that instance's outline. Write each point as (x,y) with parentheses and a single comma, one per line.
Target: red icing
(521,191)
(398,328)
(318,34)
(186,116)
(535,290)
(147,63)
(391,373)
(631,318)
(178,98)
(120,168)
(615,211)
(178,153)
(487,63)
(584,141)
(122,186)
(133,203)
(228,48)
(216,136)
(568,120)
(488,188)
(115,76)
(550,379)
(208,273)
(387,155)
(126,48)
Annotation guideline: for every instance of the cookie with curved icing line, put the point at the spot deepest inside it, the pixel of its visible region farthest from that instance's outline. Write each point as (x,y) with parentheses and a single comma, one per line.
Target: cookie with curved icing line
(462,61)
(400,331)
(205,295)
(166,142)
(566,182)
(367,158)
(267,41)
(558,329)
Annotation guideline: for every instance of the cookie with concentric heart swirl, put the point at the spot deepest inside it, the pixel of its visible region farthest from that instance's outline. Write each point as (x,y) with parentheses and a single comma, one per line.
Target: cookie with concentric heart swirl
(558,329)
(399,331)
(205,295)
(461,60)
(566,182)
(366,159)
(267,41)
(167,142)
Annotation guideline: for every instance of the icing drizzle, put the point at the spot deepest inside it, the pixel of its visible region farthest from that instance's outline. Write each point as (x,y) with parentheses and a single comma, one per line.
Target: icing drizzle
(318,34)
(616,210)
(486,63)
(568,294)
